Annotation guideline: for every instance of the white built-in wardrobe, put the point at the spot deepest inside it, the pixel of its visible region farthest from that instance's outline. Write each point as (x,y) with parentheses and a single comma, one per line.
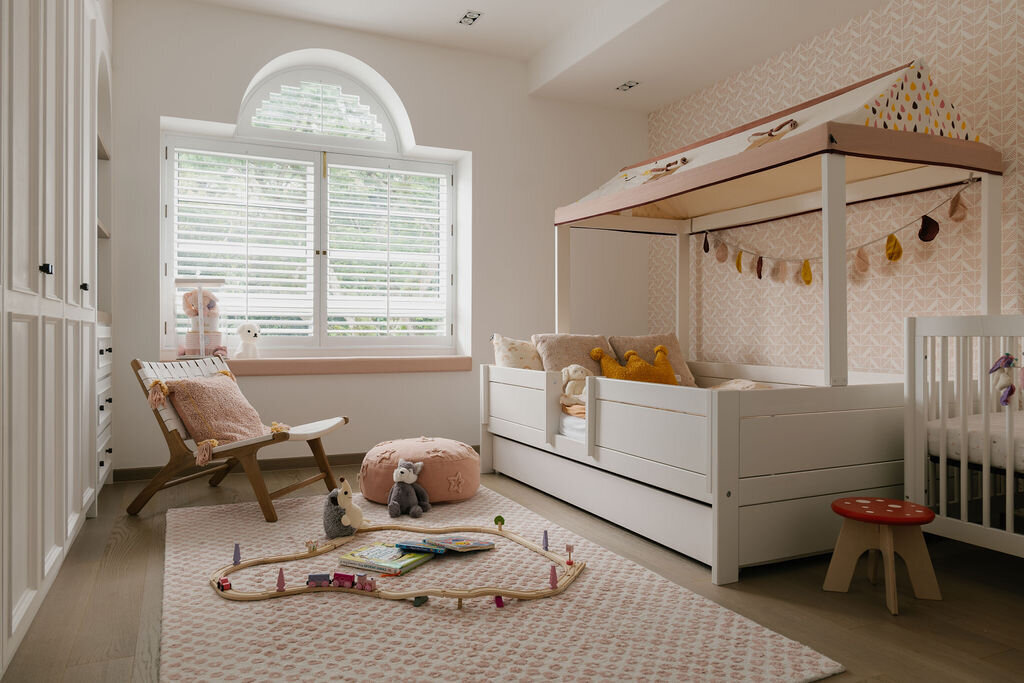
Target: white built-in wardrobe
(55,108)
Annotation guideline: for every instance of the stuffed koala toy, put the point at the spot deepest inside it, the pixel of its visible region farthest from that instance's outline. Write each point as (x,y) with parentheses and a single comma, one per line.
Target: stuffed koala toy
(341,516)
(406,495)
(248,333)
(574,385)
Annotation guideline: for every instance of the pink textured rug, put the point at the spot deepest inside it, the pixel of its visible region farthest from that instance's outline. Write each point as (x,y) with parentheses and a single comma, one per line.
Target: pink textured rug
(617,621)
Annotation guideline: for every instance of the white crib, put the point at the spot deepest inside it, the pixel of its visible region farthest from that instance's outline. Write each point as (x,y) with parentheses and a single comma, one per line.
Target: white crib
(948,396)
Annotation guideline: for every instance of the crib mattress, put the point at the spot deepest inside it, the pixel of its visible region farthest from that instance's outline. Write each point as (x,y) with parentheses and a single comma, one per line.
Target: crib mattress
(997,435)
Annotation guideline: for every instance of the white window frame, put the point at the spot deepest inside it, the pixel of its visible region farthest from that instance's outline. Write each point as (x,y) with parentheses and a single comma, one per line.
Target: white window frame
(319,344)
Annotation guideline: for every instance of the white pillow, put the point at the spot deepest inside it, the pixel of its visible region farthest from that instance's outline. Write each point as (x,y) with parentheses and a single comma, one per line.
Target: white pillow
(515,353)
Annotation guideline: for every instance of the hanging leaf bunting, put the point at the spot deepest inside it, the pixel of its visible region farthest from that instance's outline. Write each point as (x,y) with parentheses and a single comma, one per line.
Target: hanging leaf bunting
(957,208)
(860,261)
(893,248)
(721,252)
(759,267)
(805,272)
(929,228)
(707,245)
(778,271)
(739,261)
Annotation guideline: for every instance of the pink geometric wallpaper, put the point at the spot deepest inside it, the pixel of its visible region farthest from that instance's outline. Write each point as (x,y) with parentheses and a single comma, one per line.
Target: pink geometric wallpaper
(975,50)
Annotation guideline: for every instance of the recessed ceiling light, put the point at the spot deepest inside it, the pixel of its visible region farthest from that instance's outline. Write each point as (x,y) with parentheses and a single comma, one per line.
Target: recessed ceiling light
(470,17)
(627,86)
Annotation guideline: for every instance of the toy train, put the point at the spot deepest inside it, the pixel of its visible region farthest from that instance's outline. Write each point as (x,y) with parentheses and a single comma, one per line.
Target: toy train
(358,581)
(223,584)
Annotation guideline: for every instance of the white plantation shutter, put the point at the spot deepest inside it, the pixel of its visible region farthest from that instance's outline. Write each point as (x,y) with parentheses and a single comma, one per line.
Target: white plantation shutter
(388,262)
(251,221)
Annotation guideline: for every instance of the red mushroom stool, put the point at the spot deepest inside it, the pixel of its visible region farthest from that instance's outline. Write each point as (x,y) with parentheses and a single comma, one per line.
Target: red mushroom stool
(888,526)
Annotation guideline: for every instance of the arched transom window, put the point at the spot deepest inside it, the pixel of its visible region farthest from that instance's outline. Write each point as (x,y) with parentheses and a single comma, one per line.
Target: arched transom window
(318,108)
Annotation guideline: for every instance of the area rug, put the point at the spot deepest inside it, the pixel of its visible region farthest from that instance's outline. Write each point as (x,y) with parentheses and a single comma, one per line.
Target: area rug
(616,621)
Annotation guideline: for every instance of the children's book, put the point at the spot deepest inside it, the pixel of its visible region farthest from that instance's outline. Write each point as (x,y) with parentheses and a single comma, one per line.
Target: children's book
(384,558)
(417,547)
(459,544)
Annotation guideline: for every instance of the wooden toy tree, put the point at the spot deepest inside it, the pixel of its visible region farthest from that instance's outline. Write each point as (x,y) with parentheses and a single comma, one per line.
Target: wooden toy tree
(499,520)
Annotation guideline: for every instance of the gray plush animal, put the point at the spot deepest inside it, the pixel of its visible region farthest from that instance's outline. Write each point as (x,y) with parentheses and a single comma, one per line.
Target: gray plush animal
(406,495)
(341,516)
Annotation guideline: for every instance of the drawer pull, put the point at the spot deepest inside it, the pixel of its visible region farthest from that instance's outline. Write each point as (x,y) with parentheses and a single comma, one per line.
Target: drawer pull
(46,269)
(110,400)
(101,407)
(101,352)
(110,450)
(110,349)
(84,286)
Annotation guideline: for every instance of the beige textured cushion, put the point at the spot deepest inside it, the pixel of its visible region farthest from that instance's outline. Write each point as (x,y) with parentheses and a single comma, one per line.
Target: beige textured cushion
(451,469)
(560,350)
(644,346)
(515,353)
(213,407)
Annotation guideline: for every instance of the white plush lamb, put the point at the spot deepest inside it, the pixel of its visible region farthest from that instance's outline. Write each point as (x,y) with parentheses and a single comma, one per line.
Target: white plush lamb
(574,385)
(248,333)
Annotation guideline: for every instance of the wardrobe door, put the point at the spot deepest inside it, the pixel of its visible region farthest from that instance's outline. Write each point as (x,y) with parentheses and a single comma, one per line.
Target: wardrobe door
(50,122)
(85,448)
(74,474)
(74,157)
(24,267)
(87,248)
(21,476)
(52,445)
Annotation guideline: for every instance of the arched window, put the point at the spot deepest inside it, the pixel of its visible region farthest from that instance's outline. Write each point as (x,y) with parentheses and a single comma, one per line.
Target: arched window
(322,232)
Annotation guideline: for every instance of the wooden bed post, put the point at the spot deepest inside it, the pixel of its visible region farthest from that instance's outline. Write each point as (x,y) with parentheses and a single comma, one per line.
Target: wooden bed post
(683,290)
(991,243)
(833,261)
(563,284)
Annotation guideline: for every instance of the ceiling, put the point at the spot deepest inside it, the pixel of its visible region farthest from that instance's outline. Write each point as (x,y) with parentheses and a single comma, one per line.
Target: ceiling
(580,50)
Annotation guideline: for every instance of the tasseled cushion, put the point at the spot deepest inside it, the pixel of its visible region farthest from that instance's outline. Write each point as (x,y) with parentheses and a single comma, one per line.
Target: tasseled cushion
(636,368)
(214,412)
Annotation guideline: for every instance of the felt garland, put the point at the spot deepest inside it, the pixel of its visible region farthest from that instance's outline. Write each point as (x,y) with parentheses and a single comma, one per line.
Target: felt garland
(928,230)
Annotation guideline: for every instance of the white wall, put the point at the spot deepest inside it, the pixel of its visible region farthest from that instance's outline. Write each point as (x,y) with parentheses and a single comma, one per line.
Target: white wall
(191,60)
(609,286)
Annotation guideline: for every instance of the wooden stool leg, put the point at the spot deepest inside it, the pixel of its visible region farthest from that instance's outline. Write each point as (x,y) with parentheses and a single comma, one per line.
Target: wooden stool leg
(854,538)
(873,556)
(908,542)
(885,541)
(259,487)
(317,447)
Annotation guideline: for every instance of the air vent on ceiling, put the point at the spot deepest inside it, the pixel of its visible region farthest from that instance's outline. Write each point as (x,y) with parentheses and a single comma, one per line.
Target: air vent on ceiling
(470,17)
(627,86)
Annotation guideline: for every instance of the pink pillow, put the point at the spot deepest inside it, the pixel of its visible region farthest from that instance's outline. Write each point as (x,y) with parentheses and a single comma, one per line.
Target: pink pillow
(451,469)
(213,407)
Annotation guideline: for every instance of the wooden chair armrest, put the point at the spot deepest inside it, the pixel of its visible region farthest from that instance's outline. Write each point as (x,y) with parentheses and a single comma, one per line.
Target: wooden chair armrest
(314,430)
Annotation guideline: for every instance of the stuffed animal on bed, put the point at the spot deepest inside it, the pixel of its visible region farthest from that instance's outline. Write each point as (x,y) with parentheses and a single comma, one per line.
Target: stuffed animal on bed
(341,516)
(406,495)
(574,385)
(636,368)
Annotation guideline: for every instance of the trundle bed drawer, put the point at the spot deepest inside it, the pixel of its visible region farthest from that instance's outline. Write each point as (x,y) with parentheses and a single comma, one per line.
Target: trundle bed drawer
(665,436)
(680,523)
(791,528)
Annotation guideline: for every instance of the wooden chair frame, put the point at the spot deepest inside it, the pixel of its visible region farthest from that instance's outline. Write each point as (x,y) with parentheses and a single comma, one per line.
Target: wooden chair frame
(181,448)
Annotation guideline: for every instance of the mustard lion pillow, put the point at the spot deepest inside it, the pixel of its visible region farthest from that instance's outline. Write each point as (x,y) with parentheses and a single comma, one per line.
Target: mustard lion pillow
(636,368)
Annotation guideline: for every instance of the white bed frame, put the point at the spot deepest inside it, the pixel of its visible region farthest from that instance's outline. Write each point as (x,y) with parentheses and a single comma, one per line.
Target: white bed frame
(947,380)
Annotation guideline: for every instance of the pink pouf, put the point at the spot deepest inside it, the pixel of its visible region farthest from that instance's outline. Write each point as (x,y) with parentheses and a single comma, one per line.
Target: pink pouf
(451,469)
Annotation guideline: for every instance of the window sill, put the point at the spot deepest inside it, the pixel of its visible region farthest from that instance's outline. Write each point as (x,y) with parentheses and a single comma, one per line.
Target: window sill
(267,367)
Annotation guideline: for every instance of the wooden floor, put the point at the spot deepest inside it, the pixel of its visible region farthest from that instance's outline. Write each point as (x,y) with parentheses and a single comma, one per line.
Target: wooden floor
(101,619)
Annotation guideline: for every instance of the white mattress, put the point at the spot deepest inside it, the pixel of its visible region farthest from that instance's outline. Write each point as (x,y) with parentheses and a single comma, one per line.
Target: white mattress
(572,427)
(997,435)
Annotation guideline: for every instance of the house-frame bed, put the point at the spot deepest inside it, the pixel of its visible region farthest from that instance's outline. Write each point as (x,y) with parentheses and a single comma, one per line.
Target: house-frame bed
(736,478)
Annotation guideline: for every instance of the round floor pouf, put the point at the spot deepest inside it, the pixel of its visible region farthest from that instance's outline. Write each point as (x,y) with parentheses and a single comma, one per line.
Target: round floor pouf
(451,469)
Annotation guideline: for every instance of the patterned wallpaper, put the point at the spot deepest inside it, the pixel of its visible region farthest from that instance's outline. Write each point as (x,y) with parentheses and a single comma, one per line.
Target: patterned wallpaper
(975,50)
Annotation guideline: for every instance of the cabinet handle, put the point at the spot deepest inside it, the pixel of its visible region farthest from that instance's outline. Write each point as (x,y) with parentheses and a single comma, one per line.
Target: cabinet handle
(110,400)
(101,406)
(101,463)
(110,349)
(110,450)
(101,352)
(46,269)
(84,286)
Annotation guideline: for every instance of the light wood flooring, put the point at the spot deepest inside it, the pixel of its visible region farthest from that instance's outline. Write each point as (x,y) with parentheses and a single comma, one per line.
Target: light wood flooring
(101,619)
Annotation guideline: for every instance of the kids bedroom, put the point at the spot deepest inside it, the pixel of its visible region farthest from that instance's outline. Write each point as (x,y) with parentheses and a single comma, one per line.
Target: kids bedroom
(534,340)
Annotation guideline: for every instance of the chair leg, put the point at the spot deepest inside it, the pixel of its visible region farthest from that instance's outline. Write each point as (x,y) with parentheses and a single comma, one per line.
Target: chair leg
(259,487)
(873,557)
(885,540)
(909,544)
(317,447)
(218,476)
(854,538)
(155,484)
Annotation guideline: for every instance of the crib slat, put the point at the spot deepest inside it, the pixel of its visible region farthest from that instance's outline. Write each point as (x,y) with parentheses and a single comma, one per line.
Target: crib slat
(964,366)
(943,434)
(985,352)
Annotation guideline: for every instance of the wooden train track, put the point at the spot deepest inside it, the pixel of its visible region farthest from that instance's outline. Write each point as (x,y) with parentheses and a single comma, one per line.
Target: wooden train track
(567,576)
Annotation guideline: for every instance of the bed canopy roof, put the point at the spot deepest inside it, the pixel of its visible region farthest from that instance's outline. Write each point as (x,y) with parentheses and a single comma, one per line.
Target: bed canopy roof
(899,131)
